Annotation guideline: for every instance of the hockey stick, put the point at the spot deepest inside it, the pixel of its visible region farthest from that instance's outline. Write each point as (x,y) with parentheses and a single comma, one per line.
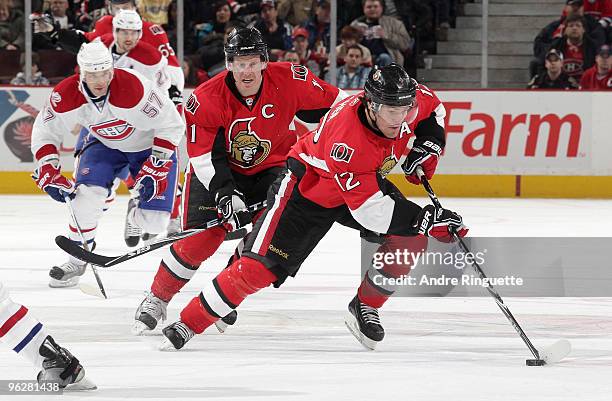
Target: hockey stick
(552,354)
(84,287)
(107,261)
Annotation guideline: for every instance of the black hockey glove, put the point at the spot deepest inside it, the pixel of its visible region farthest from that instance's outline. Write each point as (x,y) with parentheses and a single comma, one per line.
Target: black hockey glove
(425,153)
(439,223)
(175,95)
(232,210)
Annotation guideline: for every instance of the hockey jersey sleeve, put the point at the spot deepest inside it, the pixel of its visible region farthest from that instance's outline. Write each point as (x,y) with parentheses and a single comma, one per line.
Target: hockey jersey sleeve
(206,146)
(315,96)
(370,206)
(431,127)
(49,128)
(159,40)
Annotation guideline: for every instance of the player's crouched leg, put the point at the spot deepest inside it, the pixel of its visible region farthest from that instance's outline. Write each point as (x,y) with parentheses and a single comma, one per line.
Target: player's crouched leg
(218,298)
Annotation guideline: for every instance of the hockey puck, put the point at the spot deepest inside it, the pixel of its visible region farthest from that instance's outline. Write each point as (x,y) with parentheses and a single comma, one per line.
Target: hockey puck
(535,362)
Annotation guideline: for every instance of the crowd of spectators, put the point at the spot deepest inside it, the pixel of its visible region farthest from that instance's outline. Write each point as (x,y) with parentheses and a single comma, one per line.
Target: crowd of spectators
(369,31)
(573,51)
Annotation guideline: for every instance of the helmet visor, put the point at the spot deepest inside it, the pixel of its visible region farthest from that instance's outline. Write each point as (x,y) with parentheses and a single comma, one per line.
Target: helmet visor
(243,64)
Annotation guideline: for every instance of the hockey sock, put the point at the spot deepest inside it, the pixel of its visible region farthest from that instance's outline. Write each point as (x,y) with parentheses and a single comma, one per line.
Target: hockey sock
(225,292)
(375,295)
(181,261)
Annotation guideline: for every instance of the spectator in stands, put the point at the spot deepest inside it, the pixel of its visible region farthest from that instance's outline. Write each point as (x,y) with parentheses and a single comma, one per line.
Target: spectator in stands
(59,10)
(348,10)
(352,75)
(291,56)
(275,32)
(386,37)
(599,77)
(578,49)
(556,28)
(37,77)
(215,29)
(308,58)
(12,36)
(295,12)
(245,9)
(350,36)
(318,28)
(554,77)
(190,72)
(155,11)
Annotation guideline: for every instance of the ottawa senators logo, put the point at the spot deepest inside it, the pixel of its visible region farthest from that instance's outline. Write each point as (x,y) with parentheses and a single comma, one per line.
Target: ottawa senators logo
(246,148)
(387,165)
(341,152)
(192,104)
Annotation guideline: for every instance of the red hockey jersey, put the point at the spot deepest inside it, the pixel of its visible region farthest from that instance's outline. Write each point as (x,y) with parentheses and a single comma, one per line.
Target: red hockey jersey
(344,158)
(224,132)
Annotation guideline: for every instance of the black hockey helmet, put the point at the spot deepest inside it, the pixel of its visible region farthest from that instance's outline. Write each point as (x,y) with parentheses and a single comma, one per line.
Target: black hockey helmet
(390,85)
(243,41)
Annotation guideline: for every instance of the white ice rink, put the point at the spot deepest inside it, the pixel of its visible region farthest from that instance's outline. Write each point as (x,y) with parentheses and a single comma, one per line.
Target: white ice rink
(291,343)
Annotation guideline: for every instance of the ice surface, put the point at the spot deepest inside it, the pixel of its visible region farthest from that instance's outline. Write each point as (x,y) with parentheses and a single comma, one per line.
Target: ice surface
(291,343)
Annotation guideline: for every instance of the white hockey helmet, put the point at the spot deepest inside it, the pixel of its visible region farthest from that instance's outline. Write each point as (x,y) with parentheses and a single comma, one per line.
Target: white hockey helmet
(127,19)
(94,57)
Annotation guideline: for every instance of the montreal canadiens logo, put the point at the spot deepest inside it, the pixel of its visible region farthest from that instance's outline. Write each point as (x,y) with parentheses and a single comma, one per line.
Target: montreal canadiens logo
(246,148)
(113,130)
(341,152)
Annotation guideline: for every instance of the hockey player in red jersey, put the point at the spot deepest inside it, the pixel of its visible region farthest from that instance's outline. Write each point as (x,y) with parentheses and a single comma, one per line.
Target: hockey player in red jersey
(237,138)
(331,171)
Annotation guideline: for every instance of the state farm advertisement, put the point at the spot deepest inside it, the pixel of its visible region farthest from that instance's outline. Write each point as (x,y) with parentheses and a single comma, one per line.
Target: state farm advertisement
(527,133)
(488,132)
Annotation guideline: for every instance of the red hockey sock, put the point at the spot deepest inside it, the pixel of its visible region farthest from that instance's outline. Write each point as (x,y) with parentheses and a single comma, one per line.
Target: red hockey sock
(243,278)
(375,296)
(182,260)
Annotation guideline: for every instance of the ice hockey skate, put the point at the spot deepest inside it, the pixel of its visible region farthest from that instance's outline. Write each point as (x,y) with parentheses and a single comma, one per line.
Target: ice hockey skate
(131,232)
(364,323)
(66,275)
(226,321)
(151,311)
(60,366)
(176,336)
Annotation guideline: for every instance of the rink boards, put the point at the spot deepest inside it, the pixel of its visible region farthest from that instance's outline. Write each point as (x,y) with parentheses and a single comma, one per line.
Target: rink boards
(499,144)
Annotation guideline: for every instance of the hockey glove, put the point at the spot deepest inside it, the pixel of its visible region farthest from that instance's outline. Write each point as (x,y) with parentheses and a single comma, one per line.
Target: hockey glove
(175,95)
(439,224)
(151,180)
(424,153)
(232,210)
(48,177)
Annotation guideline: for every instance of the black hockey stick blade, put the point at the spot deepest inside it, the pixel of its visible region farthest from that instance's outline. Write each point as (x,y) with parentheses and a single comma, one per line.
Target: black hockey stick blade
(78,252)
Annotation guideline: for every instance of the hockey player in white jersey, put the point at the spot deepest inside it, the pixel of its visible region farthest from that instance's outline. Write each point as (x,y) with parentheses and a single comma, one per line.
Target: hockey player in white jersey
(129,51)
(29,338)
(135,125)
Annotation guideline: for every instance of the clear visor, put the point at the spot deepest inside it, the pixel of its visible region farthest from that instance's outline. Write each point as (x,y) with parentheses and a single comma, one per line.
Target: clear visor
(246,66)
(97,78)
(396,114)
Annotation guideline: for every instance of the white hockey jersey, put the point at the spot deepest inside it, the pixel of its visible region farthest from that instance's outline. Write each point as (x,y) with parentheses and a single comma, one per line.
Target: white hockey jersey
(143,58)
(135,116)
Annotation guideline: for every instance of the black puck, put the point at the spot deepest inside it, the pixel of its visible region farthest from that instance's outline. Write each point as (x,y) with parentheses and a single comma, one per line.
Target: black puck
(535,362)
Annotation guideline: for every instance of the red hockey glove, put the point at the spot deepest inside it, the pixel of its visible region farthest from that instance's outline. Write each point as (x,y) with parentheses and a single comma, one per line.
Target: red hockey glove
(48,177)
(424,153)
(439,223)
(151,179)
(232,210)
